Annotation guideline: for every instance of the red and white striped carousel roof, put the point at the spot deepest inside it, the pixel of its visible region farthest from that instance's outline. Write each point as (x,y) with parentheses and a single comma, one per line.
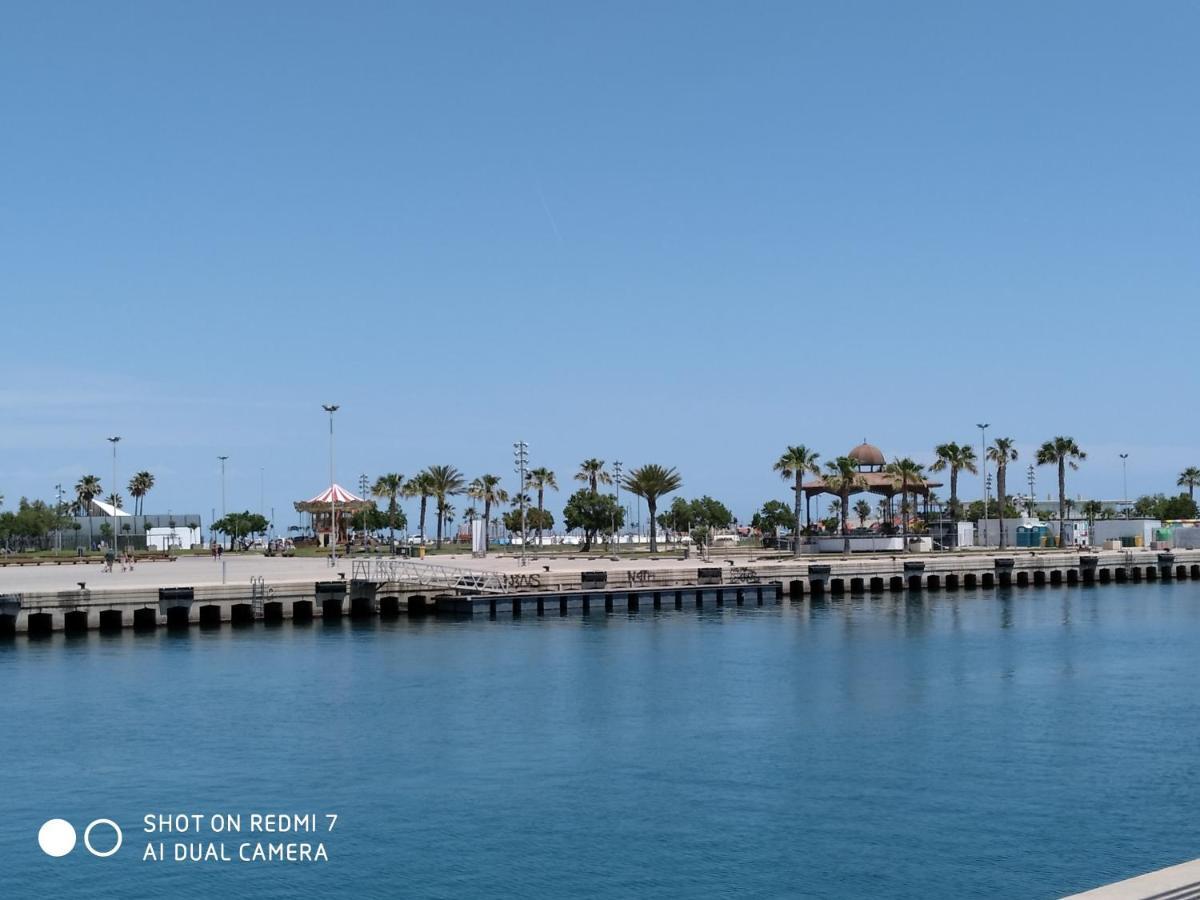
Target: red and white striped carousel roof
(336,494)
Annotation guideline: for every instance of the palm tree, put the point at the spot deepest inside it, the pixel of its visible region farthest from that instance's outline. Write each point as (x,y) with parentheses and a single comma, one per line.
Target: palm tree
(956,458)
(650,482)
(592,471)
(843,478)
(389,487)
(862,509)
(907,475)
(1002,452)
(486,488)
(444,481)
(1091,509)
(794,463)
(470,514)
(541,478)
(420,486)
(1189,478)
(115,501)
(139,486)
(448,516)
(87,489)
(1061,452)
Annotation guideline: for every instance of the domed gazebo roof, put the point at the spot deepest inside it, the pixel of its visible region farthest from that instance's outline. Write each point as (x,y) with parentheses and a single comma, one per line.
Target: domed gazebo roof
(867,455)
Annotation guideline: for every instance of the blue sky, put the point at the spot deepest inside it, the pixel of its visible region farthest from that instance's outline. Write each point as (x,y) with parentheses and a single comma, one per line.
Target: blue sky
(687,233)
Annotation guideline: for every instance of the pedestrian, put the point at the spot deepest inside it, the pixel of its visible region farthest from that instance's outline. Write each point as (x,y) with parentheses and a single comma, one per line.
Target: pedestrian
(109,558)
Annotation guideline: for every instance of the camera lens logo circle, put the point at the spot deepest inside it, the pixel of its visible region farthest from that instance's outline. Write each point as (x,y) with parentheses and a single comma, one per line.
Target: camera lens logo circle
(87,838)
(56,837)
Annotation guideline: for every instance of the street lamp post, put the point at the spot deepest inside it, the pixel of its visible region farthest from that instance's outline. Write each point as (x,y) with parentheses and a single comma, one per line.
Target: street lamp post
(331,408)
(983,427)
(1124,484)
(521,458)
(116,541)
(58,516)
(222,459)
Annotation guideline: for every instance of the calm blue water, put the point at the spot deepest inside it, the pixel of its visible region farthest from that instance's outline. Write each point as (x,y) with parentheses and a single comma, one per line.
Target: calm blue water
(1025,744)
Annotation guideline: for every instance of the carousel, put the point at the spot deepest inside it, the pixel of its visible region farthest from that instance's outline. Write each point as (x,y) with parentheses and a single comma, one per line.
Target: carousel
(331,511)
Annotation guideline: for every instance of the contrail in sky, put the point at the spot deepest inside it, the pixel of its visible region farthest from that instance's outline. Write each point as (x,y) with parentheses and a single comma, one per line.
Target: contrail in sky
(546,206)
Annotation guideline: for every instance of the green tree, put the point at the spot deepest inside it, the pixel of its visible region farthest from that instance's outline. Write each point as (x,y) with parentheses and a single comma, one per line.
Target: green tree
(1002,452)
(650,482)
(540,478)
(1061,452)
(486,489)
(541,519)
(444,481)
(909,476)
(792,464)
(843,478)
(420,485)
(593,514)
(677,517)
(389,487)
(862,509)
(241,524)
(1160,506)
(775,514)
(1091,509)
(956,458)
(592,472)
(1189,478)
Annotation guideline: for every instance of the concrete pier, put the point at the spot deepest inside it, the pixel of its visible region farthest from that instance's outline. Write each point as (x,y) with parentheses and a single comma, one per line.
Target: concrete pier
(254,589)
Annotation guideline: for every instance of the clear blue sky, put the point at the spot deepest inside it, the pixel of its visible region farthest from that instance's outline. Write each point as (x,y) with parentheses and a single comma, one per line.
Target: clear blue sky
(688,233)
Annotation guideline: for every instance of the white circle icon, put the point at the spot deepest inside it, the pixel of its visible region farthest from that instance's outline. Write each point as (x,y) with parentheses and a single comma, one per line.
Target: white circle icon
(57,837)
(87,838)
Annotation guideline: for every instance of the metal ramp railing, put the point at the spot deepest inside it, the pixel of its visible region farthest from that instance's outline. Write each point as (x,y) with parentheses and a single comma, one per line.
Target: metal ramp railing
(428,575)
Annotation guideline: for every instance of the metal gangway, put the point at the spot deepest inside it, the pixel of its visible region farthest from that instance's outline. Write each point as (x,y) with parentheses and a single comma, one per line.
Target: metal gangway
(433,575)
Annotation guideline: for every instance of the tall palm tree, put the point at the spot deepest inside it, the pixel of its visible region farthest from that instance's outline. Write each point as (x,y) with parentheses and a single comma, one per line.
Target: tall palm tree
(444,481)
(448,517)
(862,509)
(843,478)
(907,475)
(794,463)
(389,487)
(1002,452)
(487,490)
(115,501)
(956,458)
(139,486)
(1189,478)
(541,478)
(1061,452)
(88,489)
(420,485)
(650,482)
(592,471)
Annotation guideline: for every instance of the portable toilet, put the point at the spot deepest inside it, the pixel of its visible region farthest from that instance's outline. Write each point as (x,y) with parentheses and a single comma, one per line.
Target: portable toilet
(1023,536)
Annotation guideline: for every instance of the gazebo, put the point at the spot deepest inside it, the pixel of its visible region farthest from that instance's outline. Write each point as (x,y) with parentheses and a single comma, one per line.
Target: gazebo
(870,462)
(334,501)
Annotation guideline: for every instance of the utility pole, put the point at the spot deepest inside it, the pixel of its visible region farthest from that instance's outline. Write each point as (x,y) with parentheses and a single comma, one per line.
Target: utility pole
(983,427)
(521,458)
(363,482)
(58,520)
(331,408)
(1029,476)
(617,482)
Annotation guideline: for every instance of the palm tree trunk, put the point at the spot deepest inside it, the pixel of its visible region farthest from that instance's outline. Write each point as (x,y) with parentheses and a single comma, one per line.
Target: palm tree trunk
(953,493)
(421,531)
(1001,473)
(799,494)
(652,506)
(845,528)
(487,519)
(1062,501)
(541,493)
(441,517)
(392,523)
